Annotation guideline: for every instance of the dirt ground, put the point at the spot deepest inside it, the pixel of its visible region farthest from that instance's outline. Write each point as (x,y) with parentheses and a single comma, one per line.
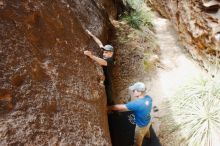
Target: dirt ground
(176,67)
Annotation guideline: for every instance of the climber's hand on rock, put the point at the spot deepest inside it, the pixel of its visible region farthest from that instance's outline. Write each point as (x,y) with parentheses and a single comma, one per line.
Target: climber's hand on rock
(88,32)
(88,53)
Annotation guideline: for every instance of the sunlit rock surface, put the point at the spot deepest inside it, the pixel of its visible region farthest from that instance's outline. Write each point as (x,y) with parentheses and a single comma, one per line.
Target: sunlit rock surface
(198,24)
(50,93)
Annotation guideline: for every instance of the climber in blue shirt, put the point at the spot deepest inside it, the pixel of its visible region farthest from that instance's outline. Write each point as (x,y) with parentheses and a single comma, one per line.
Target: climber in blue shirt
(141,107)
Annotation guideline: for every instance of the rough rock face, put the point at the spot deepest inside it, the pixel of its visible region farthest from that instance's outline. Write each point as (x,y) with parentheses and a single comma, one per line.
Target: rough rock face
(198,24)
(50,93)
(130,57)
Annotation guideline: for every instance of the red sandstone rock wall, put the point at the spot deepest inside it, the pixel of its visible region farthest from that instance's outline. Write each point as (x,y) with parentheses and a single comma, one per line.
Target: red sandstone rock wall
(50,93)
(197,22)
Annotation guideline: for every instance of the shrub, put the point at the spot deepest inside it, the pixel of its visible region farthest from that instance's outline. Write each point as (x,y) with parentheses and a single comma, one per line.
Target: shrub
(133,19)
(139,16)
(196,109)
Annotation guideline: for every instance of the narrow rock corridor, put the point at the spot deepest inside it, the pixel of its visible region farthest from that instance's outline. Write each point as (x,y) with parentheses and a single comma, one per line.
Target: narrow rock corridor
(175,67)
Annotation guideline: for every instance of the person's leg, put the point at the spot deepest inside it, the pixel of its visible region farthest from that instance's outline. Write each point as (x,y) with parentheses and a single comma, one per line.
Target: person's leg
(140,133)
(138,137)
(108,90)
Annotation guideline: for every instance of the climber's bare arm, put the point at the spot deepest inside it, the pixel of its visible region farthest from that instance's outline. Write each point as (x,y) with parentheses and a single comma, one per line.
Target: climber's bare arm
(118,107)
(95,39)
(100,61)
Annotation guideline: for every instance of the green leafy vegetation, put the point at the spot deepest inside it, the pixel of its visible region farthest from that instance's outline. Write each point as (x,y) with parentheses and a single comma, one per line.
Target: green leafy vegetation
(140,15)
(133,19)
(139,33)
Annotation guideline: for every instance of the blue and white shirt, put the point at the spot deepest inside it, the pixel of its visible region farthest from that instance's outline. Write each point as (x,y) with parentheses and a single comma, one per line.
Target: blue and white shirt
(141,108)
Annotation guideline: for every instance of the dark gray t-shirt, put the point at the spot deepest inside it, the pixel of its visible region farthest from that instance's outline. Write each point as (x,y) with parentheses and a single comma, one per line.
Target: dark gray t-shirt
(108,71)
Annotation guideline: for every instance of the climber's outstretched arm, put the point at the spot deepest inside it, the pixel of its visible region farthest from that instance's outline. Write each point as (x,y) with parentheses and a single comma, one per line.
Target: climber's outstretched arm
(95,39)
(118,107)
